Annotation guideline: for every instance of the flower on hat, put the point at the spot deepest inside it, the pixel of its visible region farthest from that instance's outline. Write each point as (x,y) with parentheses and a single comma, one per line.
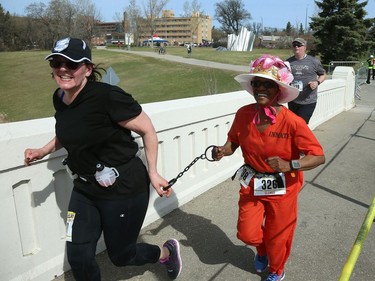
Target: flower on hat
(285,75)
(272,66)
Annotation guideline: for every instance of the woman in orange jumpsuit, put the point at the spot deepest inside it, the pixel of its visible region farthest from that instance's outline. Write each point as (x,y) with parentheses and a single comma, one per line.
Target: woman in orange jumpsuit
(272,140)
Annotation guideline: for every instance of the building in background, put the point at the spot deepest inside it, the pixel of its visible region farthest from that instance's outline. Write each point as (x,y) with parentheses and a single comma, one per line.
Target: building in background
(176,30)
(180,30)
(107,33)
(269,41)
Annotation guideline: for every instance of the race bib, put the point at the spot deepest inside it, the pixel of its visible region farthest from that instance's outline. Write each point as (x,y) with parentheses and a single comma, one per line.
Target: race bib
(298,85)
(69,225)
(244,174)
(265,184)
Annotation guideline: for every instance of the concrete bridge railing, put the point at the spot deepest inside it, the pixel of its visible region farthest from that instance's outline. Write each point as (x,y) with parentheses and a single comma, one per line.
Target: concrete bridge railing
(34,199)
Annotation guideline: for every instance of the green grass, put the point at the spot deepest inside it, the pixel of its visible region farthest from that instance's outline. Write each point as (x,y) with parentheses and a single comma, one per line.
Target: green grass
(210,54)
(27,87)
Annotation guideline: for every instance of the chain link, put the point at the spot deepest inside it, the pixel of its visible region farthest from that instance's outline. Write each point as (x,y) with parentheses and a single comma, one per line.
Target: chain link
(203,156)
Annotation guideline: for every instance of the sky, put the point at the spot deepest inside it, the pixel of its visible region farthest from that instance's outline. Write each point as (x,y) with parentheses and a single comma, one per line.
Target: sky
(271,13)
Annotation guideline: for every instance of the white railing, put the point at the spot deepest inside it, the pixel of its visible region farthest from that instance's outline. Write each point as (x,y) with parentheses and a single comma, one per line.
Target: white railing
(34,199)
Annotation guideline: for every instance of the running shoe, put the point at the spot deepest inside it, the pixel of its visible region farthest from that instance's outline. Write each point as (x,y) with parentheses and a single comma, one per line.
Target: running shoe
(261,263)
(173,263)
(275,277)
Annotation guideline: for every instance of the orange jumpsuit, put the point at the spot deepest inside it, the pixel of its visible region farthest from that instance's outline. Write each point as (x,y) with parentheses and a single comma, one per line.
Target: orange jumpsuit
(268,222)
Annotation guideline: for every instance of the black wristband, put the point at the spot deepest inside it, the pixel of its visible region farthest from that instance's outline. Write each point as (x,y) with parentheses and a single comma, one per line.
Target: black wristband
(318,82)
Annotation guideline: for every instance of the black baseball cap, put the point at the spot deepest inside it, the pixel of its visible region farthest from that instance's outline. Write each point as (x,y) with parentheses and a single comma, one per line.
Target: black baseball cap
(73,49)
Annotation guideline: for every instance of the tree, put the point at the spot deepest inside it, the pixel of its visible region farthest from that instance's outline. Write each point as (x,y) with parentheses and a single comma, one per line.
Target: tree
(5,35)
(61,14)
(62,18)
(86,17)
(232,15)
(152,10)
(193,10)
(13,32)
(218,37)
(38,15)
(256,27)
(340,30)
(372,35)
(301,30)
(191,7)
(288,29)
(132,20)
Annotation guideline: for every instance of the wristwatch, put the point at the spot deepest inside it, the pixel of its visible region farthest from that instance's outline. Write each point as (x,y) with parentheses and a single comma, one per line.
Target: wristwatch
(318,82)
(295,165)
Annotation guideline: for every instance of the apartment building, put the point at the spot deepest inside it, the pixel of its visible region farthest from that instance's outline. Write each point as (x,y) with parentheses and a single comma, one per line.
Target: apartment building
(179,30)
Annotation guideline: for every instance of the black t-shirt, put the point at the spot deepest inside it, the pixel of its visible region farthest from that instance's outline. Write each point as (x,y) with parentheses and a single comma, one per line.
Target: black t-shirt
(88,130)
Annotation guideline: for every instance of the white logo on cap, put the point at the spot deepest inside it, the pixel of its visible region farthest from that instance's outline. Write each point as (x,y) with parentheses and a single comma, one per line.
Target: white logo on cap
(61,45)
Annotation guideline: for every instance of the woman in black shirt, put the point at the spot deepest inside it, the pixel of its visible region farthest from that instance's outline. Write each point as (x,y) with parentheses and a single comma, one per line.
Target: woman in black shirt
(94,122)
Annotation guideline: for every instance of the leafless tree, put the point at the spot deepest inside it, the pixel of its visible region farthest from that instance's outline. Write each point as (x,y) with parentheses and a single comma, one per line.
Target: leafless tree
(64,18)
(61,13)
(152,10)
(257,27)
(193,9)
(86,17)
(132,20)
(38,15)
(232,15)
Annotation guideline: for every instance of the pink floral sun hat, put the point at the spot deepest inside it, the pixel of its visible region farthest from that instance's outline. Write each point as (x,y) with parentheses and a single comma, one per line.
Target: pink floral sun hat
(273,68)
